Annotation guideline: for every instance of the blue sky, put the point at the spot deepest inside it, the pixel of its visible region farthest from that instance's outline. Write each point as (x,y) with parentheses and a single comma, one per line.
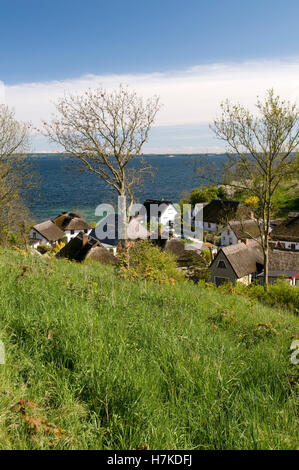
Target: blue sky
(59,42)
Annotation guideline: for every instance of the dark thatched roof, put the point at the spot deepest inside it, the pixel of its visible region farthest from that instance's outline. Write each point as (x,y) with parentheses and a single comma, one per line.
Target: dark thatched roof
(242,258)
(49,231)
(283,264)
(287,230)
(71,221)
(245,229)
(83,247)
(280,260)
(220,212)
(185,257)
(162,203)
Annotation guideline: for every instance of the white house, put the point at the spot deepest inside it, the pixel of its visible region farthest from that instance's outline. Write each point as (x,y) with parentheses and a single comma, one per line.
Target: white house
(239,231)
(161,211)
(45,233)
(72,224)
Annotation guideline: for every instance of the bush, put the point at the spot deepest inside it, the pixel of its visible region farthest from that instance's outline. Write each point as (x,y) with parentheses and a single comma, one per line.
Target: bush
(43,249)
(279,294)
(63,240)
(144,260)
(206,254)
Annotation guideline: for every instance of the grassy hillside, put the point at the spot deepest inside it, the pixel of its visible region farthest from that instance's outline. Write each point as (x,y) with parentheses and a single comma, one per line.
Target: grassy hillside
(114,364)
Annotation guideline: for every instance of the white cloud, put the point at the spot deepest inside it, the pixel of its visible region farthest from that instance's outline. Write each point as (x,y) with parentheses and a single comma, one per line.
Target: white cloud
(1,92)
(189,97)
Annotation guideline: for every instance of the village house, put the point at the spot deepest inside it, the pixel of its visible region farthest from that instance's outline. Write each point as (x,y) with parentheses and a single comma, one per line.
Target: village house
(239,231)
(285,235)
(45,233)
(237,263)
(161,211)
(83,247)
(71,224)
(217,213)
(107,231)
(190,261)
(283,265)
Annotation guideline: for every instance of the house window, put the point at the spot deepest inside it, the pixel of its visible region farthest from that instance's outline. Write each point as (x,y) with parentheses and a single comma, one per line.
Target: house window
(220,280)
(228,232)
(85,230)
(209,225)
(221,264)
(72,232)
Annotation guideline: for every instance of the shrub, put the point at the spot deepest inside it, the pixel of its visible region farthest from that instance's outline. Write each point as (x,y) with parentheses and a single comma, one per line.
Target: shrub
(279,294)
(43,249)
(144,260)
(206,254)
(63,240)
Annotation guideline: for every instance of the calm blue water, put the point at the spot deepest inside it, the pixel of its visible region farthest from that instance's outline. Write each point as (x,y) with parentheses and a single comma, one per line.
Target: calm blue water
(63,187)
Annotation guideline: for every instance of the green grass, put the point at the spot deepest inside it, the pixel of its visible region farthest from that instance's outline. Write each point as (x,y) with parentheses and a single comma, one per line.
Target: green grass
(117,364)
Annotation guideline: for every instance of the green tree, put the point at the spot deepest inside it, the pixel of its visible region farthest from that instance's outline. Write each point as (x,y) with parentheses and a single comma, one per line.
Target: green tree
(261,154)
(16,177)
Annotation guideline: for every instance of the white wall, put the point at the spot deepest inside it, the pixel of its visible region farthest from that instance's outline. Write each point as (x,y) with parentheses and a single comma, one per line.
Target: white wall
(168,215)
(288,245)
(70,235)
(211,227)
(42,241)
(228,237)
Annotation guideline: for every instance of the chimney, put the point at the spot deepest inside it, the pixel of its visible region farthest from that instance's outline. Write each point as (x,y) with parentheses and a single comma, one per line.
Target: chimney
(84,239)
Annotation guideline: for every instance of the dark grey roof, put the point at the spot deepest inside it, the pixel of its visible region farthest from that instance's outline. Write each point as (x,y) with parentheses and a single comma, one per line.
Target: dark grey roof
(219,211)
(281,274)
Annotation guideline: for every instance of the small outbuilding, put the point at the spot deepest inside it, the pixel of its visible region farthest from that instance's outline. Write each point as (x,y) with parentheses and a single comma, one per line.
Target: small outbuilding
(83,247)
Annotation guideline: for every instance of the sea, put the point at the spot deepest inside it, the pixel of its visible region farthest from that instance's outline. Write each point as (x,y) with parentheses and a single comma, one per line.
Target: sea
(62,185)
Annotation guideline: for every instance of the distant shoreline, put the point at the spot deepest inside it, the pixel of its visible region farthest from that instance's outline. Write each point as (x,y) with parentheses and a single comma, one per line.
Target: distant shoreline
(167,155)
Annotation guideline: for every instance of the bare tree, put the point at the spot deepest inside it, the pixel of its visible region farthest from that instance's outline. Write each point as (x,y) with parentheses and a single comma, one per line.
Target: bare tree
(261,154)
(105,131)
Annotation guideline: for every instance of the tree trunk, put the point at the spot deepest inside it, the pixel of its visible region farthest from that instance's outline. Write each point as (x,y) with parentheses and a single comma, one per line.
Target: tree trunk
(122,220)
(266,264)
